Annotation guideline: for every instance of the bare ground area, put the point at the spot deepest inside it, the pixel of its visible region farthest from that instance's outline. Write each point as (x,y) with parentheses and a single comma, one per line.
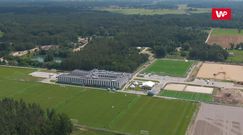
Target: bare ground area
(189,88)
(229,96)
(225,40)
(175,87)
(218,120)
(47,77)
(198,89)
(221,72)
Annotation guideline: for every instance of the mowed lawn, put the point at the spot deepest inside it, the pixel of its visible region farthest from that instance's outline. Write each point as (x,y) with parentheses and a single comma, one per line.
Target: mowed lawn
(226,32)
(169,67)
(97,108)
(237,57)
(187,95)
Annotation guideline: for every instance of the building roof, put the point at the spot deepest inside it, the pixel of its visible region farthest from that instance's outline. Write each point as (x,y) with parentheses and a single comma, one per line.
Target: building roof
(96,74)
(148,84)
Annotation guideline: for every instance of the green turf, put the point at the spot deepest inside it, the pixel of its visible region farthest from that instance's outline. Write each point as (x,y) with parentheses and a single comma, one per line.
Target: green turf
(187,95)
(84,131)
(226,32)
(169,67)
(91,107)
(237,57)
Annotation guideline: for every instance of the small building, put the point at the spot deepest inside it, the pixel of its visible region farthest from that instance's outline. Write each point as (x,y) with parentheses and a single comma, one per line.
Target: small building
(99,78)
(148,84)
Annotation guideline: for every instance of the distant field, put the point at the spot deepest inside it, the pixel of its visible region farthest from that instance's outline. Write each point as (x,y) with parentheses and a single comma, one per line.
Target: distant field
(1,34)
(237,58)
(97,108)
(224,37)
(187,95)
(169,67)
(225,32)
(141,11)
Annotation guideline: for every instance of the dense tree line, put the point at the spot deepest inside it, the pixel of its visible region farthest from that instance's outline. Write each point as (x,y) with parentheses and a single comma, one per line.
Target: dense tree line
(37,24)
(105,53)
(208,53)
(20,118)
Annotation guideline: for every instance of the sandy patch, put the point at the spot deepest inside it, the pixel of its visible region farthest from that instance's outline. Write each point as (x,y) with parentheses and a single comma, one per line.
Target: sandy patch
(175,87)
(45,75)
(221,72)
(198,89)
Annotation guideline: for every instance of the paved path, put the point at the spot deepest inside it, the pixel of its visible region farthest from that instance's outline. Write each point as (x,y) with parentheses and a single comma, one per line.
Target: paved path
(209,35)
(141,68)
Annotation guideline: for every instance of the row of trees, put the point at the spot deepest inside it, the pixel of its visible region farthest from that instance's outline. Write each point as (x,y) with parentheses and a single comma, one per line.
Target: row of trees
(20,118)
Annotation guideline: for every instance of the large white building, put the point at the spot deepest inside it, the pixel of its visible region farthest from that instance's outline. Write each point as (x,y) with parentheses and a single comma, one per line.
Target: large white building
(99,78)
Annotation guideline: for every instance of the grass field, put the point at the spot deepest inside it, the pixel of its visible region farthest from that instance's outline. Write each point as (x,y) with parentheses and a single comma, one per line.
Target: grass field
(169,67)
(142,11)
(84,131)
(237,58)
(187,95)
(97,108)
(225,32)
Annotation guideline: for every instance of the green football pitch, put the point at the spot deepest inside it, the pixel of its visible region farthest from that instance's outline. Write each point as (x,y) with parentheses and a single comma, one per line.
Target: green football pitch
(187,95)
(98,108)
(169,67)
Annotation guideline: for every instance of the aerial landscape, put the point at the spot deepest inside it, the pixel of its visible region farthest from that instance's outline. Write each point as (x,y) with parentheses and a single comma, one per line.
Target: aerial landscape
(120,67)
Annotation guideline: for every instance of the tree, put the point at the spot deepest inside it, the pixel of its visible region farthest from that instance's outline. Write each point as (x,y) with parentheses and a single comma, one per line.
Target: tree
(239,30)
(49,57)
(20,118)
(159,51)
(232,46)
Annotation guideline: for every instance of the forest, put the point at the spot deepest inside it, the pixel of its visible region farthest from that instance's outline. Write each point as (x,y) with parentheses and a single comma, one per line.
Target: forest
(114,36)
(20,118)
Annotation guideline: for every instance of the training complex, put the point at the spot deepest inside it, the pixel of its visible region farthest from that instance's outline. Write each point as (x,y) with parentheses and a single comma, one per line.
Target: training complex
(116,111)
(126,113)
